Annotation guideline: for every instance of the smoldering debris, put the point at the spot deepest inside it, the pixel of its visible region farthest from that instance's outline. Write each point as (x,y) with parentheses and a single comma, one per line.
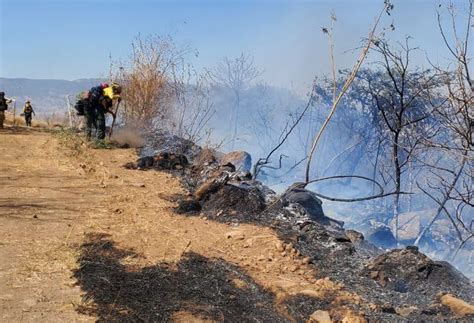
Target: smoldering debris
(410,271)
(162,141)
(221,192)
(161,161)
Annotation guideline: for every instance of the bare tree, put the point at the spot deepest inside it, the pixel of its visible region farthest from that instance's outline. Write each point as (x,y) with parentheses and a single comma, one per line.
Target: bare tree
(235,75)
(193,108)
(401,97)
(451,186)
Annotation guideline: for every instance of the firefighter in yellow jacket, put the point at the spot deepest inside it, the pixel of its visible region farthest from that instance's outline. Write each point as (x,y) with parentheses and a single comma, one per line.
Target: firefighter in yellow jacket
(28,111)
(110,94)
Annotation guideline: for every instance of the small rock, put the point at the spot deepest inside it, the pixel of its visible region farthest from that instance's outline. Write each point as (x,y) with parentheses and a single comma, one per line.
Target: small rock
(241,160)
(457,306)
(248,243)
(294,268)
(354,236)
(373,274)
(35,216)
(279,246)
(320,317)
(306,260)
(405,310)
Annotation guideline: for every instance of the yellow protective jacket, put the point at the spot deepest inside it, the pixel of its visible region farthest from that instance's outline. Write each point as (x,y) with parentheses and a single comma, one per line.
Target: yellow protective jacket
(109,93)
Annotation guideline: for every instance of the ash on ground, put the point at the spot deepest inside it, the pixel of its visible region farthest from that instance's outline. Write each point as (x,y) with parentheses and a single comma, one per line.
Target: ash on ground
(399,285)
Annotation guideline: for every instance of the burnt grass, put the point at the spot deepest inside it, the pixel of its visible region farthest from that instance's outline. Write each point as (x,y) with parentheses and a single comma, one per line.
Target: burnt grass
(115,292)
(336,256)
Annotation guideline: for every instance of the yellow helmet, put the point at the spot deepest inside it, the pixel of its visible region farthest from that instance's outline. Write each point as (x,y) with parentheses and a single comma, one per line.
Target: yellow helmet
(116,88)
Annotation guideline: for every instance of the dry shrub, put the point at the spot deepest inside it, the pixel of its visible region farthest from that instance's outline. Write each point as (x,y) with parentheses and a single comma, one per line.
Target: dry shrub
(148,94)
(161,90)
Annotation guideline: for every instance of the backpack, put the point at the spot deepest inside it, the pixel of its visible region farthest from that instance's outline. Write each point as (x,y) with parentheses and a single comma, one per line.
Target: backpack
(81,103)
(95,94)
(80,107)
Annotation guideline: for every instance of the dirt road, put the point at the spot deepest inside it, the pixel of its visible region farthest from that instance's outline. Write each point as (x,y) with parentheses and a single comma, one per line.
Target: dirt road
(43,204)
(84,239)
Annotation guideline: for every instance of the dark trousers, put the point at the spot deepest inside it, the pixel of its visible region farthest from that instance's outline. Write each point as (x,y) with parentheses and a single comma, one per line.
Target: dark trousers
(100,123)
(2,118)
(95,117)
(28,119)
(89,115)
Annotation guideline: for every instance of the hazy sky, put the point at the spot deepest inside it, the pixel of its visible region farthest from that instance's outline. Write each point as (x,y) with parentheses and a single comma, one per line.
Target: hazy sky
(71,39)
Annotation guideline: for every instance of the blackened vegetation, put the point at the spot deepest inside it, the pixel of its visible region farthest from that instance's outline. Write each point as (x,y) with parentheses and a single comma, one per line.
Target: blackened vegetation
(409,271)
(223,194)
(243,204)
(162,161)
(197,285)
(300,307)
(342,255)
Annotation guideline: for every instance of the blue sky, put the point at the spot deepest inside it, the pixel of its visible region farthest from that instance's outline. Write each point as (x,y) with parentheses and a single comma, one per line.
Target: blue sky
(70,39)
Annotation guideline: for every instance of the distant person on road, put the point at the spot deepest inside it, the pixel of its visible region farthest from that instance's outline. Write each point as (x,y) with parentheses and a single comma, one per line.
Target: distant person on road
(28,112)
(101,99)
(3,107)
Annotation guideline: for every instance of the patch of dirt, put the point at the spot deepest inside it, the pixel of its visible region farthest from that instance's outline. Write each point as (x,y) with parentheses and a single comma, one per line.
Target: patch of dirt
(195,284)
(43,204)
(82,236)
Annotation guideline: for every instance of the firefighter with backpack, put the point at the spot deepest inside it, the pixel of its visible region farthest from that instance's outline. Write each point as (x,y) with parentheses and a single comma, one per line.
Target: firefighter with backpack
(83,109)
(95,104)
(101,100)
(28,112)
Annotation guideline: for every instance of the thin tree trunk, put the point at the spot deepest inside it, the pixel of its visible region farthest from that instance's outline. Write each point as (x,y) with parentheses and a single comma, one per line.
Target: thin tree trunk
(374,174)
(444,201)
(410,183)
(396,196)
(236,119)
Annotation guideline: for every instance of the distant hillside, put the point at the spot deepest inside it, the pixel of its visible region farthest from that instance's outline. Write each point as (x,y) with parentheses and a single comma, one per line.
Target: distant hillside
(47,96)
